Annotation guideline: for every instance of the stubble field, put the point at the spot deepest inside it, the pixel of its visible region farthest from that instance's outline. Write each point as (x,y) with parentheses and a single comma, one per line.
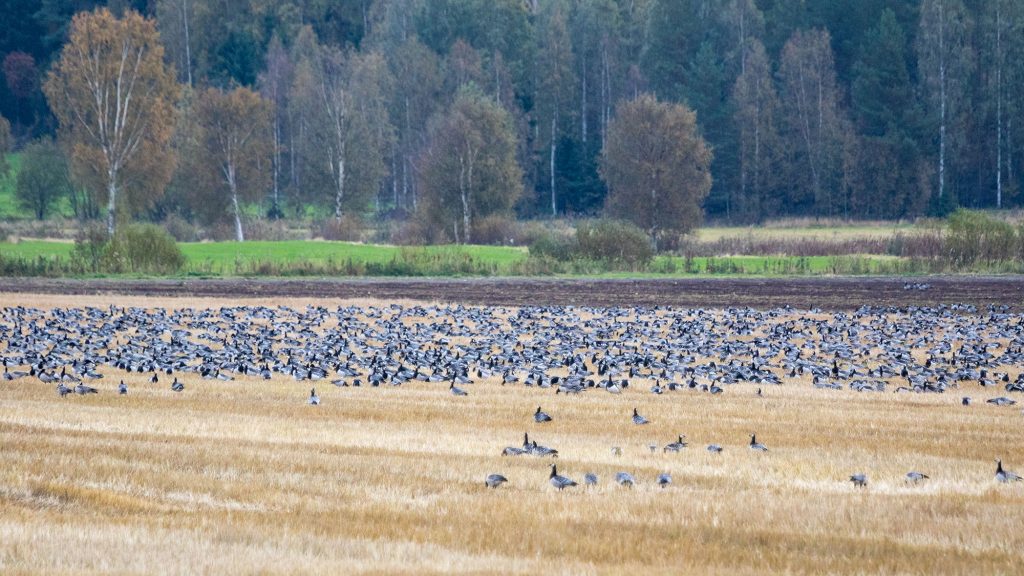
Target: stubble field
(243,476)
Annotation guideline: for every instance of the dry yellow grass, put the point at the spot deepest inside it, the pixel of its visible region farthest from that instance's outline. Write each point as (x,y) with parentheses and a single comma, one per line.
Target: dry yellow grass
(242,476)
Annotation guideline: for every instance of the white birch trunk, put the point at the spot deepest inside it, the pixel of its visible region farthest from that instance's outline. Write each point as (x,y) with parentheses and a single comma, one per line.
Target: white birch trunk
(188,42)
(464,197)
(942,99)
(235,208)
(999,104)
(339,195)
(583,99)
(111,201)
(554,193)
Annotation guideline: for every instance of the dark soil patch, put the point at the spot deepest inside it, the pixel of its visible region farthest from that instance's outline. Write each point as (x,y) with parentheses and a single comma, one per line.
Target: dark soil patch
(824,293)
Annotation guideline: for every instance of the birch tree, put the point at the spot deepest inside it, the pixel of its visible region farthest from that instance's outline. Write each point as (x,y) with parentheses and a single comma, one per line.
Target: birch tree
(414,100)
(274,82)
(555,86)
(656,166)
(1001,26)
(756,103)
(944,65)
(815,124)
(114,96)
(175,19)
(468,166)
(235,146)
(350,132)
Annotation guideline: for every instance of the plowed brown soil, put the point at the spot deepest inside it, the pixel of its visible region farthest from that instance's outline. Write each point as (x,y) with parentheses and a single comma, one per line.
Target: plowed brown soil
(825,293)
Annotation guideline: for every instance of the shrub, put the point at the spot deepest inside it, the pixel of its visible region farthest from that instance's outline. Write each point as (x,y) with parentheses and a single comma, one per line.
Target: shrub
(136,248)
(554,246)
(972,236)
(349,229)
(415,232)
(182,230)
(275,230)
(615,242)
(90,246)
(495,230)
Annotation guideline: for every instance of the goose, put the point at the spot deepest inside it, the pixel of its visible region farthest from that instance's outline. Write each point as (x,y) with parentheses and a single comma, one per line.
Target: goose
(755,445)
(542,451)
(914,477)
(456,391)
(559,481)
(1005,476)
(675,446)
(625,479)
(122,388)
(495,480)
(314,400)
(638,419)
(966,400)
(177,386)
(714,449)
(154,378)
(590,479)
(1001,401)
(664,479)
(513,451)
(82,389)
(13,375)
(63,390)
(860,480)
(540,416)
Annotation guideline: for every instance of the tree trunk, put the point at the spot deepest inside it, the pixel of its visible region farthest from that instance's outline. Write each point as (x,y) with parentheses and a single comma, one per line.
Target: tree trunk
(233,184)
(583,99)
(1009,149)
(277,161)
(757,165)
(464,196)
(999,104)
(405,183)
(806,125)
(188,43)
(394,175)
(468,200)
(111,201)
(554,193)
(942,100)
(653,231)
(340,194)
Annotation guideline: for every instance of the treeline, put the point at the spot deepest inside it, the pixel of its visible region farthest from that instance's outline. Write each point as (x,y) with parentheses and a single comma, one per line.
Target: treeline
(448,110)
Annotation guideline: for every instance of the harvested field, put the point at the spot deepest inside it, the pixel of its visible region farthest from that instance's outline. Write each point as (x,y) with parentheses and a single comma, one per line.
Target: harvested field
(243,475)
(826,293)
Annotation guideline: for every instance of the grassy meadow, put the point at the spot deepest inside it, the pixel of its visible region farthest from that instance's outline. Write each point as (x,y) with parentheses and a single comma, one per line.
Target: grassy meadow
(325,258)
(243,476)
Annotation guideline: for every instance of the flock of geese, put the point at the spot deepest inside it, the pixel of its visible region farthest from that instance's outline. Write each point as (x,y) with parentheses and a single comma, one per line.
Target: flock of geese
(920,350)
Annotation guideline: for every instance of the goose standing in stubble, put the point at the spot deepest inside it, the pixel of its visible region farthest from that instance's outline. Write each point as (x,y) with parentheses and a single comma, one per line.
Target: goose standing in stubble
(757,446)
(1005,476)
(559,481)
(638,419)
